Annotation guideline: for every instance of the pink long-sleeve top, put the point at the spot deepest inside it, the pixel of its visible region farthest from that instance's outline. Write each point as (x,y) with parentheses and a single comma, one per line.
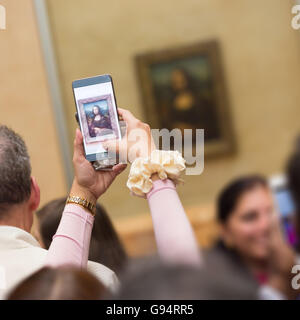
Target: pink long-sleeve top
(174,236)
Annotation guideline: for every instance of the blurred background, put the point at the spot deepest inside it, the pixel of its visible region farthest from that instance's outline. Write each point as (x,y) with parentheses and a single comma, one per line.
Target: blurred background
(254,85)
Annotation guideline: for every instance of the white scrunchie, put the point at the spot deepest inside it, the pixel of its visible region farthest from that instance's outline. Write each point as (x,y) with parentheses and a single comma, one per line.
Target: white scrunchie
(166,164)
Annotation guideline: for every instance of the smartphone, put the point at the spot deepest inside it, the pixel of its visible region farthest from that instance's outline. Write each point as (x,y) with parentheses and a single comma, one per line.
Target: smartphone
(98,118)
(286,208)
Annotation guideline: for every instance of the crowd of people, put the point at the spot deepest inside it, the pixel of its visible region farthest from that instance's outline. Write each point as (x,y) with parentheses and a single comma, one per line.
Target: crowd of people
(75,252)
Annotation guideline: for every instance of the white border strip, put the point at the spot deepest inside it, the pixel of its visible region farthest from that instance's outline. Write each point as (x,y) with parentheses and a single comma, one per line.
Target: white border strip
(54,87)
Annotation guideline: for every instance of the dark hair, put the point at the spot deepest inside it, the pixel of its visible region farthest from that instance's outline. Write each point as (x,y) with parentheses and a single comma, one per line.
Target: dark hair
(65,283)
(105,247)
(231,194)
(293,177)
(152,280)
(15,169)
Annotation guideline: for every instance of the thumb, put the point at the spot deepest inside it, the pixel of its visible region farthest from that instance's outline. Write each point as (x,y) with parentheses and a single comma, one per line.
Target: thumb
(111,145)
(78,145)
(118,168)
(117,147)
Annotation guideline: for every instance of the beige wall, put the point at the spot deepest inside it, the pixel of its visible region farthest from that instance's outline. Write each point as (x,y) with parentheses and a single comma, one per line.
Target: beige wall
(24,99)
(261,55)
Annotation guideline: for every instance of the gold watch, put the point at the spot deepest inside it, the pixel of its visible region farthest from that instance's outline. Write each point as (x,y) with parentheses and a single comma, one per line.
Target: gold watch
(83,203)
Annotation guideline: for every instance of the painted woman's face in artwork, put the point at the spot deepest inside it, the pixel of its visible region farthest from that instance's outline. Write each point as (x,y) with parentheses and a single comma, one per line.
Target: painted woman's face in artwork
(178,80)
(96,111)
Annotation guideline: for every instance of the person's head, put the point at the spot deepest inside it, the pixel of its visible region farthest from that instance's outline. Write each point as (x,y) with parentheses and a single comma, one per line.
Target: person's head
(19,192)
(245,213)
(179,79)
(293,177)
(96,111)
(65,283)
(105,247)
(152,280)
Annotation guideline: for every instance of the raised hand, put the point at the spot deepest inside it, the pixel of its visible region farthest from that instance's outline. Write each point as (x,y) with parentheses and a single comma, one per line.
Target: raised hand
(137,142)
(88,183)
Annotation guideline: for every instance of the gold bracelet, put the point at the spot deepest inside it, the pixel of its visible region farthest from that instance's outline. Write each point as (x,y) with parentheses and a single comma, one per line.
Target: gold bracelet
(83,203)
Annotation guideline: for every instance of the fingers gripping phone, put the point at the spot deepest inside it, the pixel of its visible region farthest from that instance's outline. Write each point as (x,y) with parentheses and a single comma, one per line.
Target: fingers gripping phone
(98,118)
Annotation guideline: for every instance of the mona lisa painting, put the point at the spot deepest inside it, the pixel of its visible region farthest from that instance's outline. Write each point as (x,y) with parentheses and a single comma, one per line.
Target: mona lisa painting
(184,88)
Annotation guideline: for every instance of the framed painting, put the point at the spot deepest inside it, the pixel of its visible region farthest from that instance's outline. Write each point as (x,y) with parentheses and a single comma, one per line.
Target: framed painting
(184,88)
(97,122)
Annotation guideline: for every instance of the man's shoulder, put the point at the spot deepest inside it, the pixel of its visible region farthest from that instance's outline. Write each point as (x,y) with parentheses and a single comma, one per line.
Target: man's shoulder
(104,274)
(20,264)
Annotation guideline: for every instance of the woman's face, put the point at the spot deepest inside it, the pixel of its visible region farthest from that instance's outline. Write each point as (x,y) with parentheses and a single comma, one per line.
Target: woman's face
(96,111)
(248,228)
(178,80)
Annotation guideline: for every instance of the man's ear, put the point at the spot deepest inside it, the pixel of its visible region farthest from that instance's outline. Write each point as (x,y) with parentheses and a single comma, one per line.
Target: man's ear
(35,197)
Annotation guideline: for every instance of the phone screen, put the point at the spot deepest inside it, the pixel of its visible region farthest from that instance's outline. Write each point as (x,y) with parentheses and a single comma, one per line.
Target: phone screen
(285,202)
(286,209)
(97,113)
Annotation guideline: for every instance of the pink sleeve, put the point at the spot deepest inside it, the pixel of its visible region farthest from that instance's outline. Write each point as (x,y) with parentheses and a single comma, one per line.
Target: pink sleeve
(174,235)
(70,244)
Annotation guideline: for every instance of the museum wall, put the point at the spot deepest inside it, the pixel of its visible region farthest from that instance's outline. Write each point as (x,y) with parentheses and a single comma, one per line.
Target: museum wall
(261,58)
(25,103)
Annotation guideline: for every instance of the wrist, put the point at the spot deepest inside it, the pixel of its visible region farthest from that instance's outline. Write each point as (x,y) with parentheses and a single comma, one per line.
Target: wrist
(160,165)
(155,177)
(82,192)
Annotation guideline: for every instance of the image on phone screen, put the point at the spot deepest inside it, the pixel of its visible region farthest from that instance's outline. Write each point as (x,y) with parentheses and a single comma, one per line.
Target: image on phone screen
(97,113)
